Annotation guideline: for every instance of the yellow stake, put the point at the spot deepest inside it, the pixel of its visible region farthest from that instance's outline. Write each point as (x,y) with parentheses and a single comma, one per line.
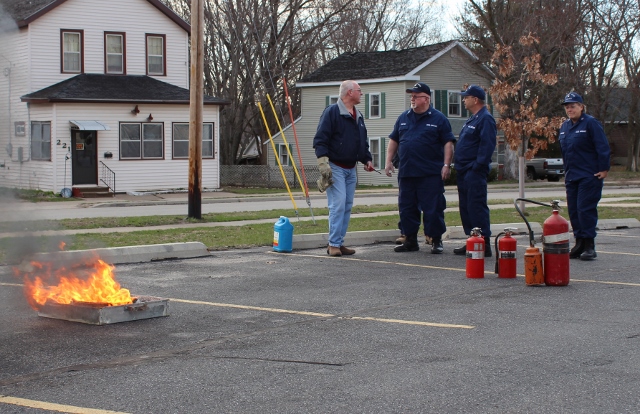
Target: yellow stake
(284,178)
(286,143)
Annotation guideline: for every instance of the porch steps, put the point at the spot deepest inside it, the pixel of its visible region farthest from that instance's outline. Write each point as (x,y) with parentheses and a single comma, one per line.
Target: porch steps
(91,192)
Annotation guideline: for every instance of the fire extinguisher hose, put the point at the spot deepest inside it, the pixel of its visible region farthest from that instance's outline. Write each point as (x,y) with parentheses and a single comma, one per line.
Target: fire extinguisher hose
(515,203)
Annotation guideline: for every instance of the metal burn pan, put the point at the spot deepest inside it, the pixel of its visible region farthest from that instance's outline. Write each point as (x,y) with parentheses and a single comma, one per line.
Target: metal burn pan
(143,307)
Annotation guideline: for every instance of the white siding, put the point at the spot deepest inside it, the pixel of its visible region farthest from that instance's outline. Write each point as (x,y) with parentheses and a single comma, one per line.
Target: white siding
(13,76)
(131,175)
(94,17)
(33,56)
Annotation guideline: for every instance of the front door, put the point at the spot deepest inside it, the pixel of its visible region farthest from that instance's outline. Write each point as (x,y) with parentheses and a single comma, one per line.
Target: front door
(84,157)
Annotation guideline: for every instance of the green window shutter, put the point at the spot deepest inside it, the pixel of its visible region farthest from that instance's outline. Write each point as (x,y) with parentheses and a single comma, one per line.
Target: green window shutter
(445,103)
(438,104)
(277,154)
(382,105)
(366,106)
(291,154)
(383,152)
(326,101)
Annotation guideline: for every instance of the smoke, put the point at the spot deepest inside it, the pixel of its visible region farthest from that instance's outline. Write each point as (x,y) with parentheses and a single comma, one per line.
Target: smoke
(22,233)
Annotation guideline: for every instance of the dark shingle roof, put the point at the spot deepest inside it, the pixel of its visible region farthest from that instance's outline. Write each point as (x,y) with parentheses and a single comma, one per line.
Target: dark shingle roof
(20,10)
(24,12)
(375,65)
(116,89)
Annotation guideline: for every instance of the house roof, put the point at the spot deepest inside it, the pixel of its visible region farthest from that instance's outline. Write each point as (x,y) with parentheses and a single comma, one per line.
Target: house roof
(380,65)
(97,88)
(24,12)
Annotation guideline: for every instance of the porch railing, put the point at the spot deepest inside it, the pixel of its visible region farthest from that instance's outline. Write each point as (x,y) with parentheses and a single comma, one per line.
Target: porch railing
(108,177)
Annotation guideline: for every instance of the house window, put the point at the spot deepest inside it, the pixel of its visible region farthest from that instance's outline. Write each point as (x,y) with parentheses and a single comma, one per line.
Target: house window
(333,99)
(41,141)
(71,51)
(141,141)
(19,128)
(374,105)
(156,55)
(181,140)
(114,53)
(454,104)
(283,154)
(375,147)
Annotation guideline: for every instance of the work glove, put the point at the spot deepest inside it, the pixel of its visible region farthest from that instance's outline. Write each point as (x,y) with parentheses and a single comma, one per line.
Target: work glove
(326,179)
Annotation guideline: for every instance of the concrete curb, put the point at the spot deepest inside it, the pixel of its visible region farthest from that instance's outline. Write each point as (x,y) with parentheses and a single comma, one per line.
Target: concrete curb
(613,224)
(148,253)
(129,254)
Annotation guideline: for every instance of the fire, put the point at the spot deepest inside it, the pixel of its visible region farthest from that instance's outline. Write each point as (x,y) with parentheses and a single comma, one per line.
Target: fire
(62,245)
(91,282)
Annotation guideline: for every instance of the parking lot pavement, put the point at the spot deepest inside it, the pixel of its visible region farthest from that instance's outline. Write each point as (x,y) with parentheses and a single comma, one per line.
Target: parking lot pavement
(254,331)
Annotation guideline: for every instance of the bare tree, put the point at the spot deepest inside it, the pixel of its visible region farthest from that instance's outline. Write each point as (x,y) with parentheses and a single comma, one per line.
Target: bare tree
(253,44)
(515,94)
(590,44)
(619,22)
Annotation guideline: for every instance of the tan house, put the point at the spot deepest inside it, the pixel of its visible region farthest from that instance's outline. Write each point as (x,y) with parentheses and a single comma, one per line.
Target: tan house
(98,95)
(384,77)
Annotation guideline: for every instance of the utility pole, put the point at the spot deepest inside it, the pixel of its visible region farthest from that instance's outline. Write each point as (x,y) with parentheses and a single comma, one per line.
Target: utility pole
(196,89)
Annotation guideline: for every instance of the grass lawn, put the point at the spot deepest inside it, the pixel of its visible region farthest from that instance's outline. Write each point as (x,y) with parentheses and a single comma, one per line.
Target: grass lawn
(227,237)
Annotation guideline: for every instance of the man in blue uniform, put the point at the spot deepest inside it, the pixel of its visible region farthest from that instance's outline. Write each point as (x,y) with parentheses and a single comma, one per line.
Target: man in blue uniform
(423,139)
(585,152)
(475,146)
(340,142)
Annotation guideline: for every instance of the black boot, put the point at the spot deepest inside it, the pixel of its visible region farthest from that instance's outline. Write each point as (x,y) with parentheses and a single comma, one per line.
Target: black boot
(589,250)
(577,250)
(436,246)
(487,247)
(462,250)
(410,244)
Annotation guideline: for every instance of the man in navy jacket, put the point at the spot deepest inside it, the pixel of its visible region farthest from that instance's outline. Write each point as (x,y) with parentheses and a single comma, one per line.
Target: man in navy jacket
(340,142)
(472,160)
(585,153)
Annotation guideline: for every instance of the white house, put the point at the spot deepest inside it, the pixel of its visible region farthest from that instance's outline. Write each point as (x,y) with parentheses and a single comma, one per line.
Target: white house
(384,77)
(96,93)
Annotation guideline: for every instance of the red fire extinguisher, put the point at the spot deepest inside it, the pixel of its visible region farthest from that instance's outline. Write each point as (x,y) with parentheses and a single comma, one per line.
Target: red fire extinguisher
(506,248)
(555,247)
(475,254)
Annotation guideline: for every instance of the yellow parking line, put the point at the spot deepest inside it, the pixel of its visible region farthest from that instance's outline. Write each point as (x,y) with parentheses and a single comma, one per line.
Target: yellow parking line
(323,315)
(53,407)
(402,321)
(486,272)
(257,308)
(456,269)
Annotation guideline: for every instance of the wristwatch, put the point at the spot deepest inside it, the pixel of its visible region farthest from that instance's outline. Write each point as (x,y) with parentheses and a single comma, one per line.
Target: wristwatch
(447,165)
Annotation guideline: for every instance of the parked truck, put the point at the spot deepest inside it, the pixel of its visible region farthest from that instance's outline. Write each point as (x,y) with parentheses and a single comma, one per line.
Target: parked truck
(540,168)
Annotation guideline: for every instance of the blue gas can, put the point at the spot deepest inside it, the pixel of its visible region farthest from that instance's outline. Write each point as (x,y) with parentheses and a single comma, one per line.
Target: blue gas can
(283,235)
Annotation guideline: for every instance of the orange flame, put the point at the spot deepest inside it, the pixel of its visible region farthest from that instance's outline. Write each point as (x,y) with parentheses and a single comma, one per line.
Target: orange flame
(62,245)
(91,282)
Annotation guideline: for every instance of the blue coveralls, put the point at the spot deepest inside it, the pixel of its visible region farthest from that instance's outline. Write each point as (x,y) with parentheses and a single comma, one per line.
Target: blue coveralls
(472,160)
(421,139)
(585,152)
